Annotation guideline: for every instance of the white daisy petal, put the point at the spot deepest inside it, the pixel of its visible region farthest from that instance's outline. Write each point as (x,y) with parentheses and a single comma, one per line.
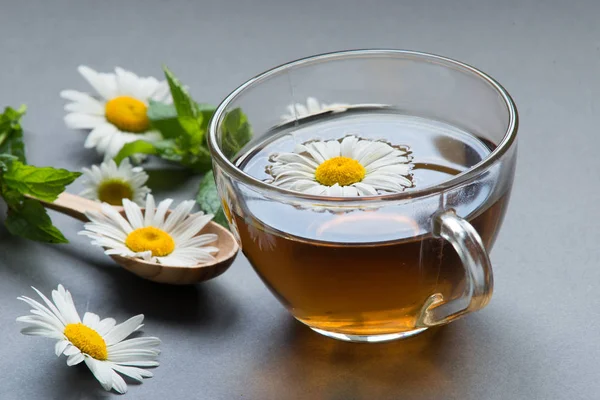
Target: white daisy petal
(60,347)
(71,350)
(121,331)
(179,213)
(135,343)
(83,121)
(104,84)
(161,211)
(136,363)
(35,331)
(149,212)
(91,320)
(106,325)
(75,359)
(134,214)
(101,371)
(134,373)
(118,384)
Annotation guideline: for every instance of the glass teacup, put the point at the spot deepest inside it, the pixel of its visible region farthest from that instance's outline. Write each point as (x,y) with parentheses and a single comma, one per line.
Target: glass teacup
(350,263)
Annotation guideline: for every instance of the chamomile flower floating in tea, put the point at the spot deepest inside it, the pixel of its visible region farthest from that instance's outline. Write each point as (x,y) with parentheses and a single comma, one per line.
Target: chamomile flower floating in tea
(119,115)
(350,167)
(313,106)
(100,343)
(152,235)
(109,183)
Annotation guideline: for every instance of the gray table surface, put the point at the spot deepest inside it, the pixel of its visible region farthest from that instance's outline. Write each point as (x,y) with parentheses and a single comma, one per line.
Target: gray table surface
(229,338)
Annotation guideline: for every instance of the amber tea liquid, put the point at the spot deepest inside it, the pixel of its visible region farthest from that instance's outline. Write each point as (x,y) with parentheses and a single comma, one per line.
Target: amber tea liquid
(364,272)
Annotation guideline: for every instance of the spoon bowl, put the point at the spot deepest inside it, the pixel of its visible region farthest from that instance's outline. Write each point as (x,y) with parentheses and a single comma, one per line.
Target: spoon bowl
(76,207)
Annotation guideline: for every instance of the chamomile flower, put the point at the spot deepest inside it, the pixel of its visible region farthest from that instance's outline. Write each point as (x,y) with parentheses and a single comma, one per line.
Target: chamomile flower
(109,183)
(118,114)
(343,168)
(152,235)
(313,106)
(100,343)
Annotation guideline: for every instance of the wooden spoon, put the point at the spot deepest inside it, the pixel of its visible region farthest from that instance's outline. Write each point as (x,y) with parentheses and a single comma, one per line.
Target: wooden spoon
(76,207)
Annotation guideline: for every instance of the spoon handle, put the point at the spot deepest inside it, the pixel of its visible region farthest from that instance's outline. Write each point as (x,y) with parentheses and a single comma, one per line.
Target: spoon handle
(73,206)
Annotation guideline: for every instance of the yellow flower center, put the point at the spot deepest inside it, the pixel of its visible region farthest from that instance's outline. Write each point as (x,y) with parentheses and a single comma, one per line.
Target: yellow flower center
(341,170)
(159,242)
(128,114)
(87,340)
(113,191)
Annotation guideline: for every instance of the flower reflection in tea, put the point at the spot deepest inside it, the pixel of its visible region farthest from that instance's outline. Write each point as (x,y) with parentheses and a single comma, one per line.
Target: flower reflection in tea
(343,168)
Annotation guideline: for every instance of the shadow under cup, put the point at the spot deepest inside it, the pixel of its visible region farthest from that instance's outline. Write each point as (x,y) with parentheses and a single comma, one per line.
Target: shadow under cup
(370,268)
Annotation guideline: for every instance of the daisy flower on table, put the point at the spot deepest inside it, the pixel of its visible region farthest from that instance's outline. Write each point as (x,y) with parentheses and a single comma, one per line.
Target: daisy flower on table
(118,114)
(343,168)
(312,106)
(152,235)
(109,183)
(100,343)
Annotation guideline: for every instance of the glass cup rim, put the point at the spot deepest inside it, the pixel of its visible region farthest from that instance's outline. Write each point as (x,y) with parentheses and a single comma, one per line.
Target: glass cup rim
(460,179)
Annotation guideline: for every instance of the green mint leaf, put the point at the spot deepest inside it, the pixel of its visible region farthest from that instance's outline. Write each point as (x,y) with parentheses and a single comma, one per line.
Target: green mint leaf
(182,100)
(44,183)
(188,116)
(209,201)
(236,132)
(163,117)
(32,222)
(137,147)
(11,133)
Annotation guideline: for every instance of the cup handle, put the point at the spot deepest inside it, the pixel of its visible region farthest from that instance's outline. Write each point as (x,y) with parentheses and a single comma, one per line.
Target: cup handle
(478,270)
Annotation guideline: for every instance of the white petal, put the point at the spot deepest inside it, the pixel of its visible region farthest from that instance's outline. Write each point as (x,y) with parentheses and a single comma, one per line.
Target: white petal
(105,326)
(364,189)
(178,215)
(65,306)
(140,363)
(159,216)
(347,146)
(200,240)
(101,371)
(61,346)
(41,322)
(135,343)
(35,331)
(134,214)
(104,84)
(334,191)
(75,359)
(50,305)
(333,148)
(118,383)
(134,373)
(149,212)
(298,161)
(123,330)
(83,121)
(192,226)
(91,320)
(71,350)
(101,131)
(116,217)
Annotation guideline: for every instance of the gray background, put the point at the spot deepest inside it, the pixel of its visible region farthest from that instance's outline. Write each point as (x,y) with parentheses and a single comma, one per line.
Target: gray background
(229,338)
